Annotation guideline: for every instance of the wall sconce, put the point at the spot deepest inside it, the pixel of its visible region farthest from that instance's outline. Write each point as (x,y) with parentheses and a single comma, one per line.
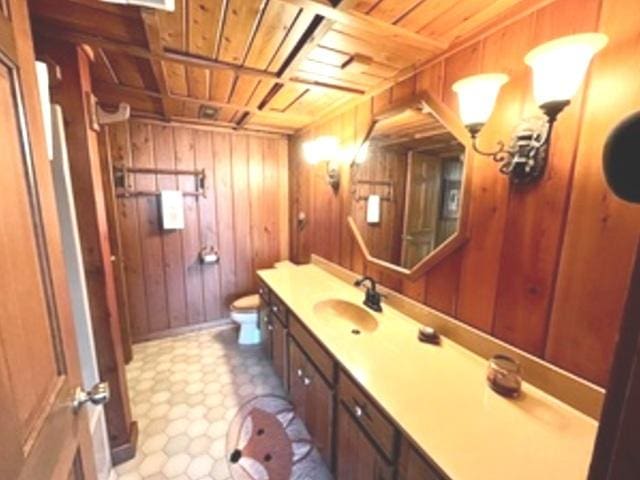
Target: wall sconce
(559,66)
(324,149)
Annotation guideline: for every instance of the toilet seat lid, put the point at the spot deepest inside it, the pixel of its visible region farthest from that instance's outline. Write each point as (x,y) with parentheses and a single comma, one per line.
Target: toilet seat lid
(248,303)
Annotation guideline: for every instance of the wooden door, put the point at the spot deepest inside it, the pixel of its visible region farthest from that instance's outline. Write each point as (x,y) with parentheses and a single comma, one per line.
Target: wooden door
(421,208)
(356,456)
(42,438)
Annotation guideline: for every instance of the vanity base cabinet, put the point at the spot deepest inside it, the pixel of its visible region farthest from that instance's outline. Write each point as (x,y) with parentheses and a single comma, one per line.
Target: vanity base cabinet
(356,456)
(354,435)
(312,398)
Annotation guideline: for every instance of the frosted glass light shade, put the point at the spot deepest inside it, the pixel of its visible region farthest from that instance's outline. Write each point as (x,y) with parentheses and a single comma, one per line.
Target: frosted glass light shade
(477,96)
(323,148)
(559,66)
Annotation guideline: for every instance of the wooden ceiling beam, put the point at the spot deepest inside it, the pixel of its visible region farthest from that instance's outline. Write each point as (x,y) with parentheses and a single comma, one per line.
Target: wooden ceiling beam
(110,88)
(152,33)
(209,125)
(369,24)
(311,39)
(50,31)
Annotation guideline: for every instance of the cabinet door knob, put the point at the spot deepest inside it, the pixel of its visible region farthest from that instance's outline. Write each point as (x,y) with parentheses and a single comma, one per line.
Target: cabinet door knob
(306,381)
(270,327)
(274,309)
(357,410)
(299,373)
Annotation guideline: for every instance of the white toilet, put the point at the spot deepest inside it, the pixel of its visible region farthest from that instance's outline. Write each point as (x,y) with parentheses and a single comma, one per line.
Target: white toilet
(245,312)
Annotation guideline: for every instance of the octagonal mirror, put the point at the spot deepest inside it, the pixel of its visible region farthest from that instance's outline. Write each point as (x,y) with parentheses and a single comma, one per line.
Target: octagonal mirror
(407,187)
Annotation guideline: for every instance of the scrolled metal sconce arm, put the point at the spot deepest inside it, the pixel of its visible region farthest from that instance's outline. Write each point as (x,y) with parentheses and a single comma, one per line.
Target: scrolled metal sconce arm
(525,159)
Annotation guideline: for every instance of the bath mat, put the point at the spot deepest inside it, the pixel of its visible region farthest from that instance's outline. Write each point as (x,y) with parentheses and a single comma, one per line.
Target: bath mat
(267,441)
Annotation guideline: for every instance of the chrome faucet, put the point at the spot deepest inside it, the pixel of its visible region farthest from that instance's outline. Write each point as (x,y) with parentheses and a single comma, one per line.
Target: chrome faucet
(372,297)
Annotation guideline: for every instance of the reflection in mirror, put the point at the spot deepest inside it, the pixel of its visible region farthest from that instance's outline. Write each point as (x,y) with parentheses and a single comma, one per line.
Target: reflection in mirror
(407,187)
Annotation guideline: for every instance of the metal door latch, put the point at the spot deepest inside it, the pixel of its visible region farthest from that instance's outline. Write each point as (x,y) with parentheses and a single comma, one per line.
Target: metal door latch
(99,394)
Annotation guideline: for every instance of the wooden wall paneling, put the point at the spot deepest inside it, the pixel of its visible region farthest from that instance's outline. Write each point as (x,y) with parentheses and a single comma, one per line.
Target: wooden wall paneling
(272,197)
(208,220)
(226,215)
(349,146)
(259,235)
(503,280)
(172,254)
(132,257)
(185,159)
(284,227)
(403,91)
(442,284)
(111,206)
(479,270)
(242,214)
(536,215)
(149,230)
(601,231)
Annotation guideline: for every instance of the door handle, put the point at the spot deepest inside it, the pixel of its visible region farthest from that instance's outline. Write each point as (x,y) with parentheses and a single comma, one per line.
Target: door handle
(99,394)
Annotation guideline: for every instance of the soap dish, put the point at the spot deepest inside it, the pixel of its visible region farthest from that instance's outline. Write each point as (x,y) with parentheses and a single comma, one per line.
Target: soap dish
(429,335)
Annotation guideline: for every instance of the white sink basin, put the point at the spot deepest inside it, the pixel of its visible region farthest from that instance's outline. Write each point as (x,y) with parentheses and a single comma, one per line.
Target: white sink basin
(354,316)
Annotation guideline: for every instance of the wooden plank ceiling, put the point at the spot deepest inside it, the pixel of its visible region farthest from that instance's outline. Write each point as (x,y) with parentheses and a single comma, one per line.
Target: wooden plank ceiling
(271,65)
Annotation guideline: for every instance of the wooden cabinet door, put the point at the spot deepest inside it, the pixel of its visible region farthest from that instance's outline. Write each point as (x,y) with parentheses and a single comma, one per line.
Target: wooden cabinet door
(312,399)
(319,403)
(356,456)
(279,351)
(42,437)
(412,465)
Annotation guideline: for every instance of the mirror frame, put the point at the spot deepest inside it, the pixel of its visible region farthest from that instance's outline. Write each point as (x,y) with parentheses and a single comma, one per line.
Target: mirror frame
(458,239)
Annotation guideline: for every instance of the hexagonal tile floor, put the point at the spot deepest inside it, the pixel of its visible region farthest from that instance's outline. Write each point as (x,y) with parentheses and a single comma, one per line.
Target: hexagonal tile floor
(185,391)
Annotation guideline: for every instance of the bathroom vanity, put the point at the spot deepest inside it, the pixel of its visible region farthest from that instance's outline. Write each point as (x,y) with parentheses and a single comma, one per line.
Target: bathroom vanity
(381,405)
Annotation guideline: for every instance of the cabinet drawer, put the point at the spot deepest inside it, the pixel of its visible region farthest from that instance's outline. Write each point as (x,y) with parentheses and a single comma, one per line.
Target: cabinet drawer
(278,309)
(316,352)
(413,466)
(368,415)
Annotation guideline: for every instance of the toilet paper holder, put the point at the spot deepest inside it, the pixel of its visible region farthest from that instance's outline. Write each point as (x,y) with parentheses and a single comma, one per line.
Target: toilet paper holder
(209,255)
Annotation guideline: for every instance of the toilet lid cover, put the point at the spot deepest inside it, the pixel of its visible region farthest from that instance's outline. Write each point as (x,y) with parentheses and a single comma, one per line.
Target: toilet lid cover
(249,303)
